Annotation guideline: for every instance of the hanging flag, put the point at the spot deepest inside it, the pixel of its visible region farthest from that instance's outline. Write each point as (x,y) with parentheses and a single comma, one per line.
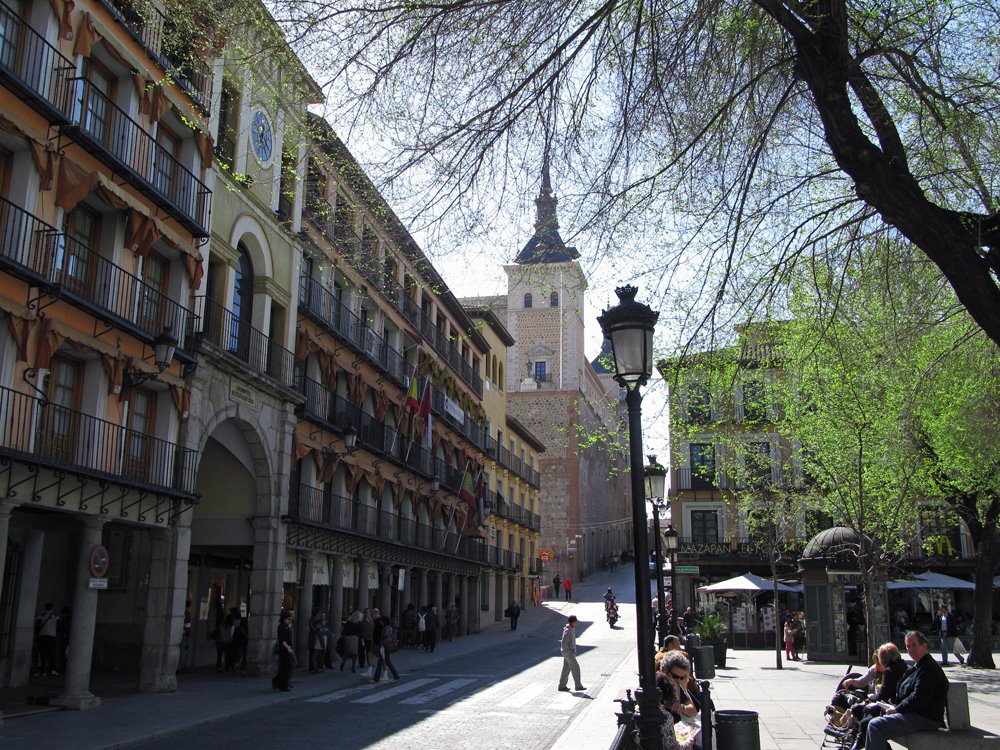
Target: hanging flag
(468,495)
(481,498)
(424,415)
(467,490)
(412,404)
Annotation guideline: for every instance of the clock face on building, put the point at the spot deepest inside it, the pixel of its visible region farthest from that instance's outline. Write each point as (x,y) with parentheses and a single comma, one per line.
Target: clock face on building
(262,137)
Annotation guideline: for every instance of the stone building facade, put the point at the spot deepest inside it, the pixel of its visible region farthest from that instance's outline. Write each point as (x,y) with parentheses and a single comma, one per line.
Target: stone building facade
(557,394)
(203,300)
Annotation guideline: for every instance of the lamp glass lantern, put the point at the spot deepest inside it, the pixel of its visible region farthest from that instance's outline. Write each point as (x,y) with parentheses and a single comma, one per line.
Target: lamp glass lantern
(656,478)
(629,325)
(165,345)
(671,539)
(350,438)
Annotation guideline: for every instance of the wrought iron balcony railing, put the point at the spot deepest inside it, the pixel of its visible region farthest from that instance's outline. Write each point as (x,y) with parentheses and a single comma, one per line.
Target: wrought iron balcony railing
(228,333)
(39,431)
(500,507)
(443,346)
(168,44)
(31,66)
(112,136)
(326,309)
(316,507)
(41,255)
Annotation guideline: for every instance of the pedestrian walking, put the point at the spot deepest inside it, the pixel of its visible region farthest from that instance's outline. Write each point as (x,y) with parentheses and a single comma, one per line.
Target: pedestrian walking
(791,630)
(451,621)
(556,586)
(318,634)
(408,627)
(366,645)
(513,612)
(946,629)
(352,637)
(568,588)
(284,649)
(567,647)
(422,628)
(386,642)
(46,632)
(433,625)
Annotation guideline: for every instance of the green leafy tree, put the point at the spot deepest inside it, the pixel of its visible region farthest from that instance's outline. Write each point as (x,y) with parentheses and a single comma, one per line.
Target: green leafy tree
(712,144)
(895,396)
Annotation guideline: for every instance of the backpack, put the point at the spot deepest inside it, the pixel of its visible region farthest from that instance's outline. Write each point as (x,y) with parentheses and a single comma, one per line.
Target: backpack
(422,622)
(389,640)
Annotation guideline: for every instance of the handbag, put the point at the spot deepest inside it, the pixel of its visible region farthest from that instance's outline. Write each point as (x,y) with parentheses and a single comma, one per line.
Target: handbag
(277,647)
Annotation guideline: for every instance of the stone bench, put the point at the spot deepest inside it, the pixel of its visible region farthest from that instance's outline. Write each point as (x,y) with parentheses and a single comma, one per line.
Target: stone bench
(959,734)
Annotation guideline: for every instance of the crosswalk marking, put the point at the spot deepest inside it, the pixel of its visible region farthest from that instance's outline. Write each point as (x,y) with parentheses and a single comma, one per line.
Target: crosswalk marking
(345,693)
(405,686)
(437,692)
(522,697)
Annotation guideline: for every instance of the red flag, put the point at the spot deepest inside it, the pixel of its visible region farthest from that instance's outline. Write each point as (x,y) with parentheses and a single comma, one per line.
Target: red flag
(469,494)
(467,490)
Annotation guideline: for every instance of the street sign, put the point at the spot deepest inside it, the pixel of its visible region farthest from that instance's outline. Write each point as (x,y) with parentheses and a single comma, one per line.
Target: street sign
(689,569)
(544,557)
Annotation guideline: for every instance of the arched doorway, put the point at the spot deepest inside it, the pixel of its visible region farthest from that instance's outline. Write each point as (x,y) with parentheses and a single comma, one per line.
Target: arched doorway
(222,542)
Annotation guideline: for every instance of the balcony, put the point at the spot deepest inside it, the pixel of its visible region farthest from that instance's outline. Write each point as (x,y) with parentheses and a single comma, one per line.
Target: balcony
(704,478)
(167,44)
(42,256)
(315,507)
(326,409)
(43,433)
(104,129)
(318,303)
(32,67)
(516,465)
(444,347)
(237,339)
(502,508)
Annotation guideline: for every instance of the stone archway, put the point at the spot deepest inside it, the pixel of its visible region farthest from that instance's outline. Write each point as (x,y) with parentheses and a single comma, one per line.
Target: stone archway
(229,560)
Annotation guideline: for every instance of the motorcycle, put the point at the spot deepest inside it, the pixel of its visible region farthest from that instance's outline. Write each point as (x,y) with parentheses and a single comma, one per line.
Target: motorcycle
(611,610)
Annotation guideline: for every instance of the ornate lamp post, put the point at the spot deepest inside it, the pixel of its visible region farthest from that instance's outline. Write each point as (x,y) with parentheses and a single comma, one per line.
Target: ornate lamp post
(671,540)
(656,477)
(629,325)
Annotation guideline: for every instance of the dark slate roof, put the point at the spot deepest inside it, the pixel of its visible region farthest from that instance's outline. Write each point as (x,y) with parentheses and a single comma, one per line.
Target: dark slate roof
(605,358)
(545,245)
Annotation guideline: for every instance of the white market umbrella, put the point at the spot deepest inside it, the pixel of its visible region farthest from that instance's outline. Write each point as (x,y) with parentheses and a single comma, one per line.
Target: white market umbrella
(747,582)
(931,580)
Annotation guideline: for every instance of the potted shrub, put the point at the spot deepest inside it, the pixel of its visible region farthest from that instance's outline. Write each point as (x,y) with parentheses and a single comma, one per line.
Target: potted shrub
(712,631)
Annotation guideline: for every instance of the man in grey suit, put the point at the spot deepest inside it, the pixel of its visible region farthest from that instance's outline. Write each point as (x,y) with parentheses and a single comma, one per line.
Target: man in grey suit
(570,664)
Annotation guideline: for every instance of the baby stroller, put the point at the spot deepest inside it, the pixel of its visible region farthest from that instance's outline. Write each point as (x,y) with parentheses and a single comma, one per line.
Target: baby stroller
(841,724)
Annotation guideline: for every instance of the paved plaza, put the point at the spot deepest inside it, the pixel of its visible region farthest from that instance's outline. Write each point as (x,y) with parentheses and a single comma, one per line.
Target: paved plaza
(789,701)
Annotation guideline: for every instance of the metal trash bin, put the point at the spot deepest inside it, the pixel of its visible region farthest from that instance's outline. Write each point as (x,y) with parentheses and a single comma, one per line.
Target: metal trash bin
(704,662)
(737,730)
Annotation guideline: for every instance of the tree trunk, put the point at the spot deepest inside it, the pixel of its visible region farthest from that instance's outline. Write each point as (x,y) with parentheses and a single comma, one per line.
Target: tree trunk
(779,626)
(981,653)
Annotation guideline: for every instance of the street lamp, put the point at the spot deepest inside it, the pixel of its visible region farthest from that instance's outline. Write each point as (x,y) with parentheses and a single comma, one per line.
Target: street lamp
(629,325)
(656,477)
(672,540)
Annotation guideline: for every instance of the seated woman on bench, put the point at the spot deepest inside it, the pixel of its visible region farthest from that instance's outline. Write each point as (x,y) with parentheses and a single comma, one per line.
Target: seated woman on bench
(890,668)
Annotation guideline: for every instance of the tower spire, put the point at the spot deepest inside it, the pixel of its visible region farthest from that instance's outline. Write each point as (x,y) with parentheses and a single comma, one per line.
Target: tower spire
(545,203)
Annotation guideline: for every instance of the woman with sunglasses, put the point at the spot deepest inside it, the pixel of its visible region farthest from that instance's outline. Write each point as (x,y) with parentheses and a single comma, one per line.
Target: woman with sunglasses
(675,698)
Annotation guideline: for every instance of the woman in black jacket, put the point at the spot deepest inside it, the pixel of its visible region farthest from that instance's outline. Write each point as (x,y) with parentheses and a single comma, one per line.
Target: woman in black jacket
(891,669)
(284,646)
